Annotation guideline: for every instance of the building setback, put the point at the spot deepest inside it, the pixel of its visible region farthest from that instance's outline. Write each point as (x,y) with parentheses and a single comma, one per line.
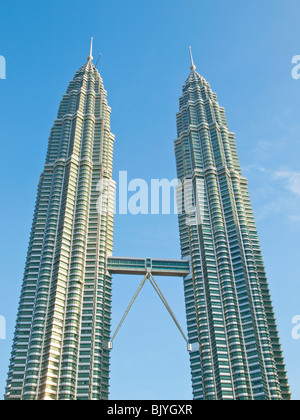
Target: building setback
(236,353)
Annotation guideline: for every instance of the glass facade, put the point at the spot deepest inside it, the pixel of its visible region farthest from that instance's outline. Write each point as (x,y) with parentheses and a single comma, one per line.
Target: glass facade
(236,353)
(63,324)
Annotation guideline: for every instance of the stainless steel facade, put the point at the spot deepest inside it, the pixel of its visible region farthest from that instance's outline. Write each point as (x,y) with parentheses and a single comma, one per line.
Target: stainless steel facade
(231,324)
(63,325)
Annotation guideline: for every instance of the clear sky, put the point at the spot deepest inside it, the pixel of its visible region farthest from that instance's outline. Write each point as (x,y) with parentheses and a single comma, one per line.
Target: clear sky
(245,51)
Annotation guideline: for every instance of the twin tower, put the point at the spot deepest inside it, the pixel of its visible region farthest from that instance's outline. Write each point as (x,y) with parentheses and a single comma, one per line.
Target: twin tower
(62,342)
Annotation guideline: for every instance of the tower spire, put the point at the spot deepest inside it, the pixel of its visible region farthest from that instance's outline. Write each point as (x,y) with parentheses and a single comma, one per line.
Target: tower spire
(193,67)
(90,57)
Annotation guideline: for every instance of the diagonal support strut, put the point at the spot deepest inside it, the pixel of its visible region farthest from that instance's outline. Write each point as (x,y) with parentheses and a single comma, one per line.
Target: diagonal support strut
(130,305)
(164,301)
(152,281)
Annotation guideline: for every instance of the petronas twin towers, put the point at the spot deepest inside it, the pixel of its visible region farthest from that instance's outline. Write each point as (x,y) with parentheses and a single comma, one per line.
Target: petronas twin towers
(61,347)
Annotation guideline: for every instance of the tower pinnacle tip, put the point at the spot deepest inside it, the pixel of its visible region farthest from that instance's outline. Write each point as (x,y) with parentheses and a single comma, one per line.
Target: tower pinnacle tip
(193,67)
(90,57)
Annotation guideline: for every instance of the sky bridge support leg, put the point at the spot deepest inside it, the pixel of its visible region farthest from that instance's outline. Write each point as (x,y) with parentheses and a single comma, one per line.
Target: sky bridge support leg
(154,284)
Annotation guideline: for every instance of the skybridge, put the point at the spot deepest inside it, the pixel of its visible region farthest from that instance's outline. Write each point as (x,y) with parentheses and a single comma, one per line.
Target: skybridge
(142,266)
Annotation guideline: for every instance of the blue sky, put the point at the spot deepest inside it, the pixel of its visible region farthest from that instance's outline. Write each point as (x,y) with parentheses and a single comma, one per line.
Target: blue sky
(245,51)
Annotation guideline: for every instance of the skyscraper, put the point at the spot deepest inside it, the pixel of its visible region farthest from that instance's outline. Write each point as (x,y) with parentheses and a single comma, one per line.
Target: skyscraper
(236,353)
(63,324)
(63,337)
